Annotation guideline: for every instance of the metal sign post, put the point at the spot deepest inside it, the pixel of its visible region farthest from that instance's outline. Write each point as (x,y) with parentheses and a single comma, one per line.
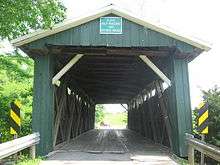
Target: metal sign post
(203,123)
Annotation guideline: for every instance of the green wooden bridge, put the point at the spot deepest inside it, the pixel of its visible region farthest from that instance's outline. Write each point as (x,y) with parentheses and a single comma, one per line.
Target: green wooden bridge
(140,63)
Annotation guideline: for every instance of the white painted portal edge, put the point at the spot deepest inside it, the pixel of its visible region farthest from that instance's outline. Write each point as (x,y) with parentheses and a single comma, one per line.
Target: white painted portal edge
(73,61)
(155,69)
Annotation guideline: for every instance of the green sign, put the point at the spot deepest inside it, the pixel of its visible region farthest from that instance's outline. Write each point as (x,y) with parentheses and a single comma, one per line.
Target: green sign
(110,25)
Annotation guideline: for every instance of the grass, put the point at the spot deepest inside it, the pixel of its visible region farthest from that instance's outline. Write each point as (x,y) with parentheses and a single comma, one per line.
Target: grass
(116,120)
(25,160)
(179,160)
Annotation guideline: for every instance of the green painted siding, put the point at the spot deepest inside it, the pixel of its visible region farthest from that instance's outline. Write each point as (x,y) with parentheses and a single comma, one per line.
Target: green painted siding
(133,35)
(172,105)
(179,110)
(43,103)
(184,114)
(179,105)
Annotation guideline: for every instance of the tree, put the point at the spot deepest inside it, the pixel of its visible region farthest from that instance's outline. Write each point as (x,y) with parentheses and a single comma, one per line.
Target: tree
(19,17)
(99,113)
(212,97)
(16,79)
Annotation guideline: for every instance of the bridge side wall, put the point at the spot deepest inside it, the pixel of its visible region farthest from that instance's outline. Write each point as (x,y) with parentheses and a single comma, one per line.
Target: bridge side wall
(181,103)
(147,116)
(43,102)
(74,114)
(58,114)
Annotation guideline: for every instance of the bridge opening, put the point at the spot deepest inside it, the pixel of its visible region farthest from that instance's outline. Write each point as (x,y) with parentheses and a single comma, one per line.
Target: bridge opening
(120,77)
(81,77)
(111,116)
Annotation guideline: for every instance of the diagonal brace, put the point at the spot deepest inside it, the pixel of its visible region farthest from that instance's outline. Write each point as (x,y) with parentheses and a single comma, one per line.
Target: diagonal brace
(155,69)
(73,61)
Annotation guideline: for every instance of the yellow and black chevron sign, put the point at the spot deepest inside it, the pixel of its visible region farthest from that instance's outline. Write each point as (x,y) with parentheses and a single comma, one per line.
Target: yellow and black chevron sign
(15,120)
(203,118)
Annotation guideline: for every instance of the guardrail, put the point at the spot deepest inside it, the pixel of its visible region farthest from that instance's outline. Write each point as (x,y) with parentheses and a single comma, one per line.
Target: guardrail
(203,147)
(16,145)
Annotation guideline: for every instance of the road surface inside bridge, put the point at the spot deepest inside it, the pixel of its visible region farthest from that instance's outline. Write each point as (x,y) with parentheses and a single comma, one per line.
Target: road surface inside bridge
(109,146)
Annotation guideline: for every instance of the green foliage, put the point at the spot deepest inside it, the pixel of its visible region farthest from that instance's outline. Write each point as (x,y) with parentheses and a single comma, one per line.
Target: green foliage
(116,120)
(212,96)
(16,74)
(99,113)
(25,160)
(21,16)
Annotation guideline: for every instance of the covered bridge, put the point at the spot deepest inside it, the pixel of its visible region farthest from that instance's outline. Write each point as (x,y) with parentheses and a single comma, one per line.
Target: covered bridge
(111,56)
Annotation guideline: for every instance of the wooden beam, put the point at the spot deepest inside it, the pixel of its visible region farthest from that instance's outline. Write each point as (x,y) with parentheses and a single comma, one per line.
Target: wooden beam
(105,69)
(104,50)
(155,69)
(60,105)
(110,63)
(124,107)
(72,110)
(66,68)
(102,93)
(163,106)
(112,89)
(80,91)
(111,101)
(107,80)
(113,72)
(92,82)
(110,77)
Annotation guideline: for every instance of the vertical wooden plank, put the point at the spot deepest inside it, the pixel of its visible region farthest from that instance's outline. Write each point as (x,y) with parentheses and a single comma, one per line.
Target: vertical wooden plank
(179,109)
(191,155)
(78,118)
(144,123)
(133,35)
(152,120)
(73,134)
(93,116)
(60,104)
(163,107)
(43,102)
(33,152)
(183,106)
(72,109)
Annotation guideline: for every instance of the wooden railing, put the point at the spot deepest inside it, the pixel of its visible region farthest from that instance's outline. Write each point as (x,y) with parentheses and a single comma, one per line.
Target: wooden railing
(201,146)
(16,145)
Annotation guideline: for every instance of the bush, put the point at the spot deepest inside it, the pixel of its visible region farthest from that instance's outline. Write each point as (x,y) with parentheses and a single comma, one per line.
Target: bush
(212,96)
(16,79)
(99,113)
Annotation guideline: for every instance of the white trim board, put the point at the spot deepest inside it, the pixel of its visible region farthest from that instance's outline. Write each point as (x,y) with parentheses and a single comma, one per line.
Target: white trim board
(155,69)
(73,61)
(112,9)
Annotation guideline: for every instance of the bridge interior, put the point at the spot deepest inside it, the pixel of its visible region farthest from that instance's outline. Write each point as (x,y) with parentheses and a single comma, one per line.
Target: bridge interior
(106,146)
(111,75)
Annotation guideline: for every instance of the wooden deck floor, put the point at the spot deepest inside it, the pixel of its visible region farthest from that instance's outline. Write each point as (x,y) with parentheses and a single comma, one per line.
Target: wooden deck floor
(110,147)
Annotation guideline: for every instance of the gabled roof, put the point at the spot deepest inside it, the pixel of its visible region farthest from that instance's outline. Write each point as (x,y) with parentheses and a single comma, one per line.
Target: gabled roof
(111,9)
